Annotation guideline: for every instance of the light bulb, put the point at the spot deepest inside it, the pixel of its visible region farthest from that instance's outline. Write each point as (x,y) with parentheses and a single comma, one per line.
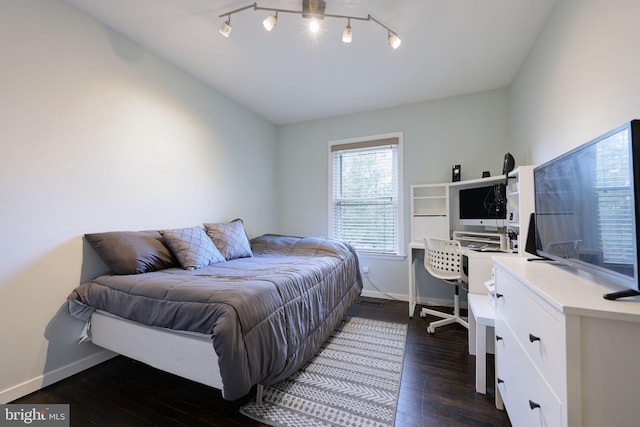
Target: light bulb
(270,22)
(225,30)
(314,25)
(394,41)
(347,35)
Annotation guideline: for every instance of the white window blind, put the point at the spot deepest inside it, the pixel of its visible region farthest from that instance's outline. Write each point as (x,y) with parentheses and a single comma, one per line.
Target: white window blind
(615,202)
(365,202)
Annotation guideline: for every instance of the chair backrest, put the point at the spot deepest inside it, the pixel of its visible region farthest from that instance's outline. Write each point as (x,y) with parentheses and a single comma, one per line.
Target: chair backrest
(443,258)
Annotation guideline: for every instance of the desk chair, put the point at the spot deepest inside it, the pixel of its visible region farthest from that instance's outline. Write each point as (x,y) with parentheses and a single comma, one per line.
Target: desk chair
(443,259)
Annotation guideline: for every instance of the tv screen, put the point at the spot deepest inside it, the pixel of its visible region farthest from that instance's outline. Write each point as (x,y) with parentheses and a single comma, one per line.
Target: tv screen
(586,207)
(484,206)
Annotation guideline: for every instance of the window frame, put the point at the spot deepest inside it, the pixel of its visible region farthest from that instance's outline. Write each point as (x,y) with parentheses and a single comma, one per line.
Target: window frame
(400,188)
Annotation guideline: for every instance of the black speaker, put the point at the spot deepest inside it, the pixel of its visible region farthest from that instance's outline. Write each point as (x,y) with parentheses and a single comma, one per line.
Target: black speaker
(530,246)
(508,164)
(456,173)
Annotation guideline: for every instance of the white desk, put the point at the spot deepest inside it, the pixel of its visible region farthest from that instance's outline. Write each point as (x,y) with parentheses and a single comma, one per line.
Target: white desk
(413,249)
(481,315)
(479,268)
(479,265)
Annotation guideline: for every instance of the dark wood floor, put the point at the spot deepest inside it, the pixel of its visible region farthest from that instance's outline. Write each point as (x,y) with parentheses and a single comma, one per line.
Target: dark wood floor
(437,386)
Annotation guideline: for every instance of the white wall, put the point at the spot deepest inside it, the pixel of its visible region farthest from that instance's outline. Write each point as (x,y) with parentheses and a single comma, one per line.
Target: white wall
(98,134)
(580,80)
(468,130)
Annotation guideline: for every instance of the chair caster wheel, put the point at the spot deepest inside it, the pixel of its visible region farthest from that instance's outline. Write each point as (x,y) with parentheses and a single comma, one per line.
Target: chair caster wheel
(431,330)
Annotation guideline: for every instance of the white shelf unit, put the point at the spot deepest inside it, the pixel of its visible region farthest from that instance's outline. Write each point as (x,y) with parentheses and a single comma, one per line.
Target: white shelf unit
(454,199)
(520,202)
(429,211)
(478,240)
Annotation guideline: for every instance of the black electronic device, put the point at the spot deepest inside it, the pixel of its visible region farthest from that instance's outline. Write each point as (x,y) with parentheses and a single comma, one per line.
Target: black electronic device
(508,164)
(483,206)
(456,173)
(530,246)
(587,208)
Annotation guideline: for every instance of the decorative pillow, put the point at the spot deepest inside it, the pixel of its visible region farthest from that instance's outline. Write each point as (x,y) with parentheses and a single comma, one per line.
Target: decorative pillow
(230,238)
(132,252)
(192,247)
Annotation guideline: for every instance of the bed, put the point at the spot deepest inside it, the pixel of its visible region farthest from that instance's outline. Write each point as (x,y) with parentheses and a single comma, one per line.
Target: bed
(231,324)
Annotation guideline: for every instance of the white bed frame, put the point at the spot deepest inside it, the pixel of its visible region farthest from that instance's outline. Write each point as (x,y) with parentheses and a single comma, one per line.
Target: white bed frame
(188,355)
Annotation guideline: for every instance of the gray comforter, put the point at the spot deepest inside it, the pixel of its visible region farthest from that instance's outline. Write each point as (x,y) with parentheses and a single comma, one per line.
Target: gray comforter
(268,314)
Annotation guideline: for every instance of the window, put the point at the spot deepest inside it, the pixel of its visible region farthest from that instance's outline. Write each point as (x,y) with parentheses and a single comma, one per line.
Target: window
(365,193)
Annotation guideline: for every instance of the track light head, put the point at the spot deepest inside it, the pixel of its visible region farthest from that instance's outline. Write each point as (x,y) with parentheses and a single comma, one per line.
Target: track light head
(394,40)
(270,22)
(347,34)
(225,30)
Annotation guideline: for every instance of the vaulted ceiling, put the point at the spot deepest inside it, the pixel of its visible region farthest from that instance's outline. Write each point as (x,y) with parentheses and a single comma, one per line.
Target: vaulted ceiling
(288,75)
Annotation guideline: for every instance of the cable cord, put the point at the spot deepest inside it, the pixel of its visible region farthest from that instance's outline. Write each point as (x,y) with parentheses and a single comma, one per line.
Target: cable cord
(378,289)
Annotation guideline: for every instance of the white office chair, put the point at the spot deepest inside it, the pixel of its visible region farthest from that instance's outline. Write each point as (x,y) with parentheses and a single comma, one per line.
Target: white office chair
(443,259)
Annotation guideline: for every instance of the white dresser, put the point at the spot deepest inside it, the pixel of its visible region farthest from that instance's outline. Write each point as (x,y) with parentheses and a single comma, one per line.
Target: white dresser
(564,355)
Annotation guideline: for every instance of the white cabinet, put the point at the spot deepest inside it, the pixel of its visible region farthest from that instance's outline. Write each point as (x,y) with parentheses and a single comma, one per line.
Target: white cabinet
(520,202)
(564,355)
(429,212)
(529,368)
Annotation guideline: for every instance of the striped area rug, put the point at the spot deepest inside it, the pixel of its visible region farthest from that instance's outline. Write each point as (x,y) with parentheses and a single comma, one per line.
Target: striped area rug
(353,381)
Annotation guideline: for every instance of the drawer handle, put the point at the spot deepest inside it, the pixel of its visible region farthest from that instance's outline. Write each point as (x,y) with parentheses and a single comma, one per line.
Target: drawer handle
(499,295)
(533,405)
(500,381)
(533,338)
(498,337)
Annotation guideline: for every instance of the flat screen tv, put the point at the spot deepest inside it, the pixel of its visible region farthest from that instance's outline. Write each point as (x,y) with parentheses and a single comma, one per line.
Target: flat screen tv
(586,208)
(484,206)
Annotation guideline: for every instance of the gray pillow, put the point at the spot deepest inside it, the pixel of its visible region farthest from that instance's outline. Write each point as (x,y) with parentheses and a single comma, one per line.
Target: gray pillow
(132,252)
(230,238)
(192,247)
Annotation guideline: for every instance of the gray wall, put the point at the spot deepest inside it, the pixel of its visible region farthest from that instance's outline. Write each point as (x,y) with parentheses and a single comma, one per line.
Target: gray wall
(580,80)
(98,134)
(470,130)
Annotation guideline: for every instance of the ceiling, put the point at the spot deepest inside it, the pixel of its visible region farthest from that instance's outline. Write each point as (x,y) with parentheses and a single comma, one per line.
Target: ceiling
(449,48)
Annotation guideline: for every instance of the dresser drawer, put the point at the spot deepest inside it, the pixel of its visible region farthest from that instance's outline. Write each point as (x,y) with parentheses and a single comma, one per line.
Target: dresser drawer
(536,326)
(527,396)
(505,366)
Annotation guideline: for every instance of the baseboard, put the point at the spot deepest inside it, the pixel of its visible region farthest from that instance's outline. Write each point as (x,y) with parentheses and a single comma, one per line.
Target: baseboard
(384,295)
(54,376)
(403,297)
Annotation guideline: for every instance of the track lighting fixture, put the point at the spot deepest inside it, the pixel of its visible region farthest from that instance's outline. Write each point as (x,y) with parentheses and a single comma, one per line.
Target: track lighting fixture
(313,10)
(347,35)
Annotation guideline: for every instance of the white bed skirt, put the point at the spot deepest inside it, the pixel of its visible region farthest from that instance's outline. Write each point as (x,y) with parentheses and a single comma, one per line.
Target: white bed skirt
(188,355)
